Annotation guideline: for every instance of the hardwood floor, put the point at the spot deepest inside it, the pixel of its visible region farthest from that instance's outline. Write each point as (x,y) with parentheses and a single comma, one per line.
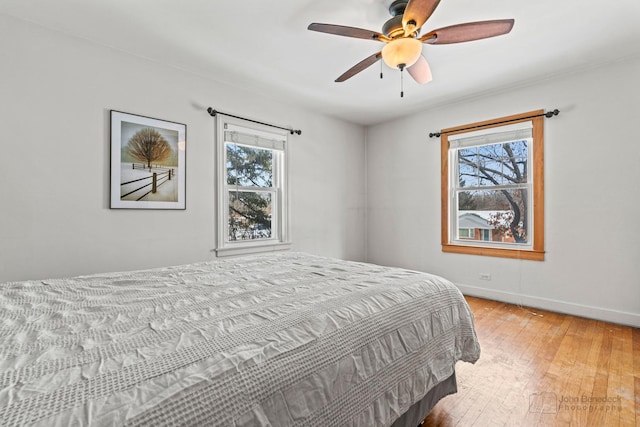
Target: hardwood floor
(540,368)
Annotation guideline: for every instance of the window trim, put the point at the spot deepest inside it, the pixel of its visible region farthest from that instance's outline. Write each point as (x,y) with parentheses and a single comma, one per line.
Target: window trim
(281,223)
(536,252)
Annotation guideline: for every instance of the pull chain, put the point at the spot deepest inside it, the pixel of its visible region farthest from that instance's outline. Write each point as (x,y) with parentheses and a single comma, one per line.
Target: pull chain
(381,69)
(402,82)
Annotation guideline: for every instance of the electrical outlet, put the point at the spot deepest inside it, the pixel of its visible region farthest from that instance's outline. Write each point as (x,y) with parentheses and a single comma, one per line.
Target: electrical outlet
(485,276)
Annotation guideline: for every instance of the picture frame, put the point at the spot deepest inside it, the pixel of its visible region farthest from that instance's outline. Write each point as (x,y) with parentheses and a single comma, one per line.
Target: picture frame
(148,162)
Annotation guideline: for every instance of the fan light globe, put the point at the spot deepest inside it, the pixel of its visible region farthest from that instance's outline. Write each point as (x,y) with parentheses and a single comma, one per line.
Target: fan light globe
(405,50)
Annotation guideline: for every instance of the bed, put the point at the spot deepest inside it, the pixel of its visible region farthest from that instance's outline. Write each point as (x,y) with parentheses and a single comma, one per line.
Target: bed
(280,339)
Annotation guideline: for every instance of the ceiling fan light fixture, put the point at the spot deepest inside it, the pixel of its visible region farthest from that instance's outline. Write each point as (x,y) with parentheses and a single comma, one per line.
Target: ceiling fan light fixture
(403,51)
(403,43)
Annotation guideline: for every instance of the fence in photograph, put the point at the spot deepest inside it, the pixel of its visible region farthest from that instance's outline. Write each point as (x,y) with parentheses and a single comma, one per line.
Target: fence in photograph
(143,166)
(154,181)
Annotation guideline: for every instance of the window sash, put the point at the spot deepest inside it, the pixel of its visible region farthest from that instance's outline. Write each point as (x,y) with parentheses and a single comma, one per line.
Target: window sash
(273,206)
(471,240)
(273,173)
(501,162)
(273,190)
(456,189)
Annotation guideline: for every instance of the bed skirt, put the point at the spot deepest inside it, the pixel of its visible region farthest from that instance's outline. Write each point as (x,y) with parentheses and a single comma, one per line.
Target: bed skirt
(417,413)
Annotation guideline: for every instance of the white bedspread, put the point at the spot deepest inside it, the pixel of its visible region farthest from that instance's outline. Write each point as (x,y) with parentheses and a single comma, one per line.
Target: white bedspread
(283,339)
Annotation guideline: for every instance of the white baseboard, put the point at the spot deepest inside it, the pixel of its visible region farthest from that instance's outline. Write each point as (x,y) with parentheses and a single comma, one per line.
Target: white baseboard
(606,315)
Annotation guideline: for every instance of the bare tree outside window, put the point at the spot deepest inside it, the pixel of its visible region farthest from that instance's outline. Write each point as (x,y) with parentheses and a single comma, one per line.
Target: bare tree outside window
(495,175)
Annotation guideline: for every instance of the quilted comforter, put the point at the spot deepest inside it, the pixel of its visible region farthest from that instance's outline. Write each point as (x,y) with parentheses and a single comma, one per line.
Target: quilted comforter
(282,339)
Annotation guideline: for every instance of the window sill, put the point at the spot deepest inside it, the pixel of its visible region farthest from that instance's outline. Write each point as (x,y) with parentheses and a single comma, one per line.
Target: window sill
(245,248)
(532,255)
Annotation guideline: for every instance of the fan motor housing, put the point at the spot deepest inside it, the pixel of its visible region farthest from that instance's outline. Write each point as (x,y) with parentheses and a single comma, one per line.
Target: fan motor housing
(397,7)
(393,27)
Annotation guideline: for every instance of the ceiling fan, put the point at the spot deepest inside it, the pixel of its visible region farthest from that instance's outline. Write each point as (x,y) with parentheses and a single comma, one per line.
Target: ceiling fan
(401,33)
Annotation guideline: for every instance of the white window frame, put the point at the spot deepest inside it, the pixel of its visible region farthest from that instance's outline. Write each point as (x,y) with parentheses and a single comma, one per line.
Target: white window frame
(503,134)
(263,137)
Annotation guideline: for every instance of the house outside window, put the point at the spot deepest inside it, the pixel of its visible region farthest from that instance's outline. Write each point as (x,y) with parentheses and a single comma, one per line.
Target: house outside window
(253,209)
(492,189)
(473,226)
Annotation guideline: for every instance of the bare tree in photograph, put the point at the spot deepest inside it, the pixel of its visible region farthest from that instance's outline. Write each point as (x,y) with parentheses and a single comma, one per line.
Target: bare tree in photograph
(147,145)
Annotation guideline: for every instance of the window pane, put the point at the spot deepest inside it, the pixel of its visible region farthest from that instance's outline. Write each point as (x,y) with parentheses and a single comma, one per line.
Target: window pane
(515,162)
(249,215)
(468,153)
(493,215)
(468,167)
(495,164)
(248,166)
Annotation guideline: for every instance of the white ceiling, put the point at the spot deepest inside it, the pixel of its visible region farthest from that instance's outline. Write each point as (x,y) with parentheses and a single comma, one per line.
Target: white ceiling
(265,46)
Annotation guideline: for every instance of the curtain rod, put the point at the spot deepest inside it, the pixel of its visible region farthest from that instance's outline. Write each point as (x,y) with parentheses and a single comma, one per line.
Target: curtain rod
(548,115)
(213,113)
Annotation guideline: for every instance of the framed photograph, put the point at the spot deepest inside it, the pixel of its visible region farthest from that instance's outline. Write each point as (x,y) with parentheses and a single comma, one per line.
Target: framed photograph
(148,162)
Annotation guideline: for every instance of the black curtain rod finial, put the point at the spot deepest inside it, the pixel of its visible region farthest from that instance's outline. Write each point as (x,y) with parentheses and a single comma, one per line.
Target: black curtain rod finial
(436,134)
(550,114)
(212,112)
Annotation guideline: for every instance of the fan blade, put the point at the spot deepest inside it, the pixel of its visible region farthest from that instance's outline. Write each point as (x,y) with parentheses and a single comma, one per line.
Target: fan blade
(468,32)
(416,13)
(341,30)
(360,66)
(420,71)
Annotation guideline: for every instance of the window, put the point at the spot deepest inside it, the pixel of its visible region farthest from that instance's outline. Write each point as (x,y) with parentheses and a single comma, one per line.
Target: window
(465,233)
(252,188)
(492,188)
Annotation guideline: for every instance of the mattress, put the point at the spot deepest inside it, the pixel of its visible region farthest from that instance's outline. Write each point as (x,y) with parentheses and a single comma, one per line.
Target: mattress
(281,339)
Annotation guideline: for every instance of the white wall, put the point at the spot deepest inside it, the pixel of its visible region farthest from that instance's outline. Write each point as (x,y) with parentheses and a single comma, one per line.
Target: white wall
(592,198)
(56,92)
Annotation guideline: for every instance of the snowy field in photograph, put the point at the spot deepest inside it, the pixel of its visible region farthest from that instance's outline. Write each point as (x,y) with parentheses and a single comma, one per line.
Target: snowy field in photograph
(166,191)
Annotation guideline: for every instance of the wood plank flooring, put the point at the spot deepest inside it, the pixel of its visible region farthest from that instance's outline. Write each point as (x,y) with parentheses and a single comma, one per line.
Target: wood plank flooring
(540,368)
